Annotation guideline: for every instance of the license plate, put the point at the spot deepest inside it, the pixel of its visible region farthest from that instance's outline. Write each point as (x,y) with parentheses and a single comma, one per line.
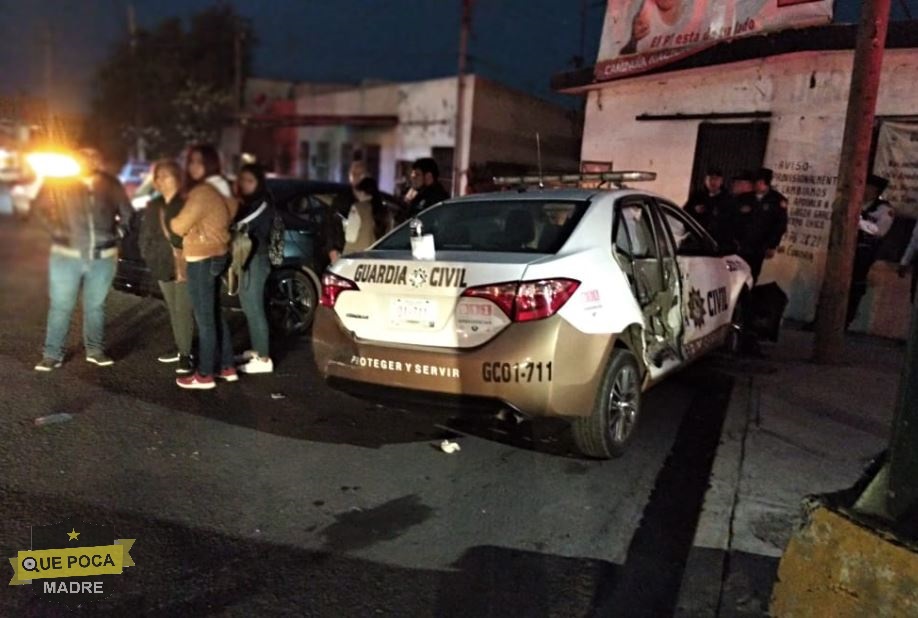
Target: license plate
(412,312)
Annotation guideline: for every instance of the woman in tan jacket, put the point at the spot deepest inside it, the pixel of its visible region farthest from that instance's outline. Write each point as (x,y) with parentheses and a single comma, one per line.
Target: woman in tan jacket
(204,224)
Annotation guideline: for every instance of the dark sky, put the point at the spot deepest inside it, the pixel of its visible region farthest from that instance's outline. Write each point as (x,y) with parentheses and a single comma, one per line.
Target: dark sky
(519,42)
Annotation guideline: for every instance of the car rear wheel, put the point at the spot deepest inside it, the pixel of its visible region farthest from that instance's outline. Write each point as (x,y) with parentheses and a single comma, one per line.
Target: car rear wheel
(291,300)
(607,430)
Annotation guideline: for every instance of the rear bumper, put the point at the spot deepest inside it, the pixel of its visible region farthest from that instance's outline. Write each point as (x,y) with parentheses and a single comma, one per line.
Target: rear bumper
(540,368)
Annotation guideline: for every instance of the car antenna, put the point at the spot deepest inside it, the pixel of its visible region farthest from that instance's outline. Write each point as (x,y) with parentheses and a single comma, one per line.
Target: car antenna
(539,156)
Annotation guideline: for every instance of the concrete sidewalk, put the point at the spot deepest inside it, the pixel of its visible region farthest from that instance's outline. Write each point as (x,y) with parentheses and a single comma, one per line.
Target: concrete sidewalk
(793,428)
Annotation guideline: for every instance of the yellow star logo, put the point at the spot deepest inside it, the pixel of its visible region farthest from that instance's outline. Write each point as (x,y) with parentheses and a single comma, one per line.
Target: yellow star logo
(73,534)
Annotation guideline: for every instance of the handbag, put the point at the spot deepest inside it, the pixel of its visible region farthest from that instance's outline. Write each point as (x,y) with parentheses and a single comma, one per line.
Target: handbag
(276,241)
(181,265)
(240,250)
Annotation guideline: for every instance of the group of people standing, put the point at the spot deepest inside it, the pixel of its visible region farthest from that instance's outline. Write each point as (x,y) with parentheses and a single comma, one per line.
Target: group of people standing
(751,217)
(368,218)
(188,239)
(185,239)
(187,232)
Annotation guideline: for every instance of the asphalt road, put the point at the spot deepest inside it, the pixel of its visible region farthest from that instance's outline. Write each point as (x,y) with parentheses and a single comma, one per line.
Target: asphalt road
(276,495)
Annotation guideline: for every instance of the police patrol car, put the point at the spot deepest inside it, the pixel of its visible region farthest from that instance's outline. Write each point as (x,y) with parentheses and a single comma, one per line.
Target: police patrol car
(562,302)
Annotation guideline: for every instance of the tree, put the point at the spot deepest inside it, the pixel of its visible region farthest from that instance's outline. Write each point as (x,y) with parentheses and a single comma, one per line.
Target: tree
(172,86)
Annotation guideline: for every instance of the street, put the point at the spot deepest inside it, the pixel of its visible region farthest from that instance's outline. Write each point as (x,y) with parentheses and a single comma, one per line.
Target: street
(277,495)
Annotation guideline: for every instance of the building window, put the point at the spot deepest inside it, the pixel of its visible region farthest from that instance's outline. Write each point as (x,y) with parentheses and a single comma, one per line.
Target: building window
(322,160)
(303,160)
(347,156)
(402,176)
(444,159)
(371,155)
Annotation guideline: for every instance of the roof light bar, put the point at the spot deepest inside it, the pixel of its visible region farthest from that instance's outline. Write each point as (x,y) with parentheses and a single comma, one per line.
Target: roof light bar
(601,177)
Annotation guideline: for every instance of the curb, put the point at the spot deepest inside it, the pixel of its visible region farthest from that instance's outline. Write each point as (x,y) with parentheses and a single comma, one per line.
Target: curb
(703,578)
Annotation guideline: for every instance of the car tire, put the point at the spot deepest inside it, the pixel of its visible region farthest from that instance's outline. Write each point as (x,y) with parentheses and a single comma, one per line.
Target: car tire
(609,427)
(291,299)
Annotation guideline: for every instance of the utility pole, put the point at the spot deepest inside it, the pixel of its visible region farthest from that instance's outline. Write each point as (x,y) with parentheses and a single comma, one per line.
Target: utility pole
(464,31)
(139,147)
(238,35)
(852,175)
(49,69)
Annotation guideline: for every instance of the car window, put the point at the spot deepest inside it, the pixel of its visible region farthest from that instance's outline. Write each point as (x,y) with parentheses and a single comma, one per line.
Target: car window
(687,237)
(324,199)
(535,226)
(633,232)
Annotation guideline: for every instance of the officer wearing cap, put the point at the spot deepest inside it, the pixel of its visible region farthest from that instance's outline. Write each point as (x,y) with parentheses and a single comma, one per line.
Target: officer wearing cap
(876,218)
(709,206)
(742,183)
(759,221)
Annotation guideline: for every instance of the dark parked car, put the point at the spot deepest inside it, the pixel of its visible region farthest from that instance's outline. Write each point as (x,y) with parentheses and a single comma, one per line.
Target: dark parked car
(293,288)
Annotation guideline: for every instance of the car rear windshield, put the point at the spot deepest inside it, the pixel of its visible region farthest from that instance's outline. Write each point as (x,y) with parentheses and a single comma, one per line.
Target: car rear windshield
(508,226)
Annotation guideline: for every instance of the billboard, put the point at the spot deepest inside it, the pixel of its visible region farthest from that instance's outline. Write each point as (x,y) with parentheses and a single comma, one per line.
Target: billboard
(639,35)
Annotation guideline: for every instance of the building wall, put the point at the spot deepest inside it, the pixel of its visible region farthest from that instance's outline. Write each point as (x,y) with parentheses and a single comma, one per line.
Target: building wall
(376,100)
(500,125)
(427,118)
(807,95)
(367,100)
(505,123)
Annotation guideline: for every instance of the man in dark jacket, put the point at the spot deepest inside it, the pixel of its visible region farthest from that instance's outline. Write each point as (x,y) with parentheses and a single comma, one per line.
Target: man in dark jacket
(426,189)
(759,222)
(711,205)
(86,216)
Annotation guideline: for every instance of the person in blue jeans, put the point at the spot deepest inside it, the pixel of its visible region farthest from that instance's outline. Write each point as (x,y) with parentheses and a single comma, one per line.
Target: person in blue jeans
(86,215)
(255,217)
(204,225)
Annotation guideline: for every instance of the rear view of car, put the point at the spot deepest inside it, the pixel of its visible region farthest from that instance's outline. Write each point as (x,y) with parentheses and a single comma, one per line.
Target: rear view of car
(495,320)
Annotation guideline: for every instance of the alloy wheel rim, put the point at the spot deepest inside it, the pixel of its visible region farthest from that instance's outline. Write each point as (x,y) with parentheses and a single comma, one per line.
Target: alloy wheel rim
(292,304)
(623,404)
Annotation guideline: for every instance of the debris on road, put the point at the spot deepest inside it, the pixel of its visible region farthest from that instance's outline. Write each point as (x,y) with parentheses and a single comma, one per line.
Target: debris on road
(278,396)
(53,419)
(449,447)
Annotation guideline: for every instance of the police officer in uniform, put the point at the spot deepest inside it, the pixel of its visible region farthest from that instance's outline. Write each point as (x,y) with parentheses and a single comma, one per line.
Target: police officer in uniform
(759,222)
(710,206)
(876,218)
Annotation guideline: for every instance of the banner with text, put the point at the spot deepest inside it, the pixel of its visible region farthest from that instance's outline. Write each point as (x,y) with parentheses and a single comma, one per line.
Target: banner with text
(897,160)
(639,35)
(807,174)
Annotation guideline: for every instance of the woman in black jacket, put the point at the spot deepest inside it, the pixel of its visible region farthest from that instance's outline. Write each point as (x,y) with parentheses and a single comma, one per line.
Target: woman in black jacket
(161,250)
(255,217)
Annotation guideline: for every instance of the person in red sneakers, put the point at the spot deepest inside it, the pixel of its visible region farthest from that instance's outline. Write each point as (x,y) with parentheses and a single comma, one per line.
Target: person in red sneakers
(204,225)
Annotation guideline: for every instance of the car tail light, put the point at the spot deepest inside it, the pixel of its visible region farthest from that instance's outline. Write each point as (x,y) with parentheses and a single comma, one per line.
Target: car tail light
(527,300)
(332,286)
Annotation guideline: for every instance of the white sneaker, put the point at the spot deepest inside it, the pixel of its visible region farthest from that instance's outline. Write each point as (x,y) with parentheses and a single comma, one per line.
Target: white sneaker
(244,357)
(257,365)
